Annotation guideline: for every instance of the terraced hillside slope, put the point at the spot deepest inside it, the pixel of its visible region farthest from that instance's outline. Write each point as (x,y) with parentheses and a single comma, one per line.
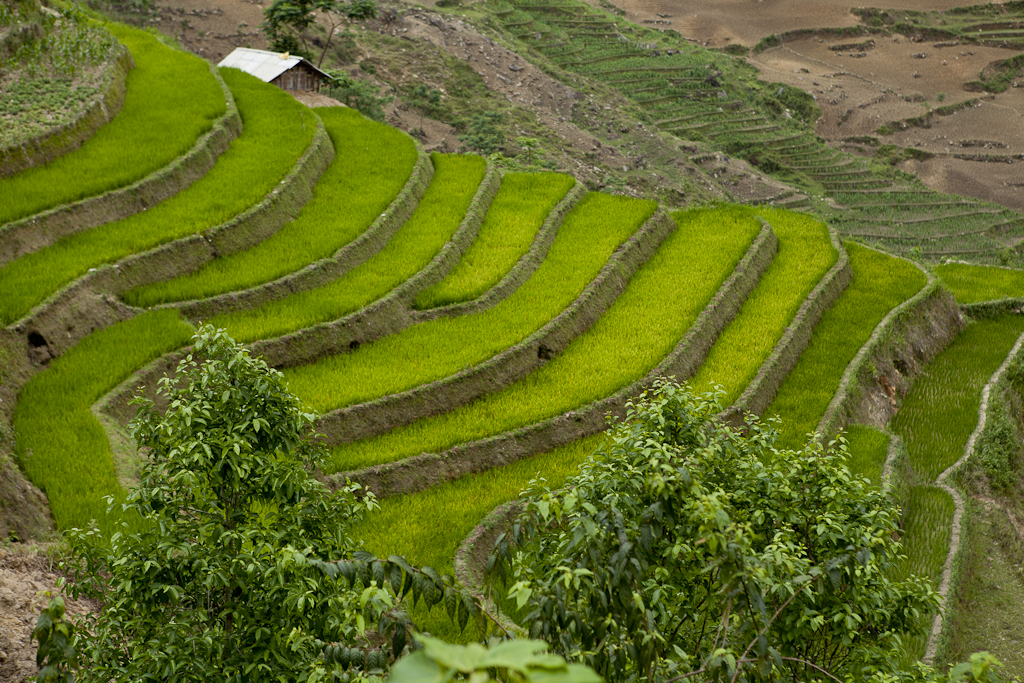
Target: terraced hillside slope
(464,328)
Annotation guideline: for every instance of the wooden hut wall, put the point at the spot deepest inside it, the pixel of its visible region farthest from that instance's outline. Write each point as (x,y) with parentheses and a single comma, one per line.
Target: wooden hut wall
(299,77)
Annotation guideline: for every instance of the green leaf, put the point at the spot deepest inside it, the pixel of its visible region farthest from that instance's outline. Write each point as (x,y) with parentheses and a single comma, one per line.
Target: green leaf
(418,668)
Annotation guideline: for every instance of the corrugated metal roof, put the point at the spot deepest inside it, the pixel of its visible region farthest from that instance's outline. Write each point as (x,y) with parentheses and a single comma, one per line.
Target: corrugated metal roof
(264,65)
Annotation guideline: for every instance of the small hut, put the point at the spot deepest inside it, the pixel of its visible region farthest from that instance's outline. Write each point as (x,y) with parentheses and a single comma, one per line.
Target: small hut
(281,69)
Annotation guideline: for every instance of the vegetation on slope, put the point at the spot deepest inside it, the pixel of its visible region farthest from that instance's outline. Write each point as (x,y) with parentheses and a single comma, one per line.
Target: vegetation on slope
(805,255)
(372,162)
(60,444)
(513,219)
(431,226)
(155,125)
(880,283)
(276,132)
(439,348)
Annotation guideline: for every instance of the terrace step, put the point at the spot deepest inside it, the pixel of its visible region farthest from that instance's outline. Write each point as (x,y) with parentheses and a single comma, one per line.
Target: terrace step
(477,456)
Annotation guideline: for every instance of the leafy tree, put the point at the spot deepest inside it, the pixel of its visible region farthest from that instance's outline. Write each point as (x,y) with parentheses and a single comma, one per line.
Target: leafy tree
(685,548)
(289,23)
(219,572)
(483,133)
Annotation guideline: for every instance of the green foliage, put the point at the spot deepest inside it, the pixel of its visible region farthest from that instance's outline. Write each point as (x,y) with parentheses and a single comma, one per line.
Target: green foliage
(372,162)
(277,131)
(356,93)
(780,97)
(999,446)
(66,45)
(227,578)
(684,548)
(437,217)
(155,125)
(61,446)
(56,656)
(289,24)
(766,43)
(512,221)
(511,661)
(484,133)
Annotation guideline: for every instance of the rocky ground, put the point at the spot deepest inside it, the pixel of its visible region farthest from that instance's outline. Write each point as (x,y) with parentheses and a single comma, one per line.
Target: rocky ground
(27,580)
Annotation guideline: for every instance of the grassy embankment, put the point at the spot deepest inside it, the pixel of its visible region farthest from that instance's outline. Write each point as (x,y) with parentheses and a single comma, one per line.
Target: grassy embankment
(372,163)
(439,348)
(61,446)
(277,130)
(628,341)
(505,236)
(442,208)
(880,283)
(935,421)
(155,125)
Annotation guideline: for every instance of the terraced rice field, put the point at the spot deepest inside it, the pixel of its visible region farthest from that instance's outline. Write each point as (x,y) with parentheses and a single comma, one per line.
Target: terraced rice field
(155,126)
(277,131)
(697,94)
(528,307)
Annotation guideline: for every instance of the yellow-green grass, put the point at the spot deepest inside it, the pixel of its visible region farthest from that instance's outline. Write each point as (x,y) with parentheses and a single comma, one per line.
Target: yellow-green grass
(372,163)
(439,348)
(971,284)
(941,409)
(805,255)
(277,130)
(411,525)
(880,283)
(637,332)
(442,208)
(868,449)
(172,99)
(927,518)
(60,445)
(513,219)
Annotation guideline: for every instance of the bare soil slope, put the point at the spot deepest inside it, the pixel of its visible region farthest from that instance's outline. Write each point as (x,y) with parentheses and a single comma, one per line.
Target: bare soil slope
(894,81)
(717,23)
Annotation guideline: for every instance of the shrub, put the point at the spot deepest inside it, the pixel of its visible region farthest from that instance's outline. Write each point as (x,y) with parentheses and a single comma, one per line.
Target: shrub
(685,548)
(243,568)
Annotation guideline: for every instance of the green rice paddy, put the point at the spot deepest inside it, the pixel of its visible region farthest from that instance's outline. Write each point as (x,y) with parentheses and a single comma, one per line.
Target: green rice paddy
(155,125)
(439,348)
(435,220)
(622,347)
(513,219)
(372,163)
(277,130)
(805,255)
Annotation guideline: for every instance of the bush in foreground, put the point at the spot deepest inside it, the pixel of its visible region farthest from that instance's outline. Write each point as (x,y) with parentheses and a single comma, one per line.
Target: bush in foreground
(686,549)
(228,579)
